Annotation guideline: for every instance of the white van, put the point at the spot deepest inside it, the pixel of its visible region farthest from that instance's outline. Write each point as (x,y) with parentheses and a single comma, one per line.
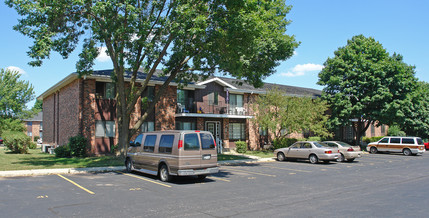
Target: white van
(173,153)
(406,145)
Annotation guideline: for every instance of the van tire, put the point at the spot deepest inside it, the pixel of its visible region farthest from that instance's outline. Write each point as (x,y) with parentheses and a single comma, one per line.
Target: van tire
(281,156)
(373,150)
(129,166)
(407,152)
(313,159)
(164,175)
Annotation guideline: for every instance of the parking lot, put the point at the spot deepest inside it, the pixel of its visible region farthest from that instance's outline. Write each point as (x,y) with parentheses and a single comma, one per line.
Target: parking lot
(376,185)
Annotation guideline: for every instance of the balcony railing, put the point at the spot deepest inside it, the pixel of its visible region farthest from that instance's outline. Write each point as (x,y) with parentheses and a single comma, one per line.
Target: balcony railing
(210,107)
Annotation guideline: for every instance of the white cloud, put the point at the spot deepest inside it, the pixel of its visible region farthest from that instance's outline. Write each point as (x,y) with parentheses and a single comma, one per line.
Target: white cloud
(302,69)
(295,53)
(17,69)
(103,57)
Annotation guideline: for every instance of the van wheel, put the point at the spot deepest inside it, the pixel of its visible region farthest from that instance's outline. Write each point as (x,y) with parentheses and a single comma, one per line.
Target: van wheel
(129,165)
(407,152)
(281,156)
(163,173)
(373,150)
(313,159)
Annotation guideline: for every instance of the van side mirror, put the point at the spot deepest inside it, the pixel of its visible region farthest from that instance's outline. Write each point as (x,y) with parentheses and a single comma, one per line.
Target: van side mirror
(132,144)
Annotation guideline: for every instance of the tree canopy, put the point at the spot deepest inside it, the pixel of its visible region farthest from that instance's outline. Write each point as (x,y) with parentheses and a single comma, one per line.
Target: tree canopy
(416,122)
(14,94)
(283,115)
(185,38)
(363,82)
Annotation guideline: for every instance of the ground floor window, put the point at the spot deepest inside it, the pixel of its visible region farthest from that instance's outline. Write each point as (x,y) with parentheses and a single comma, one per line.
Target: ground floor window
(237,131)
(105,128)
(185,125)
(148,127)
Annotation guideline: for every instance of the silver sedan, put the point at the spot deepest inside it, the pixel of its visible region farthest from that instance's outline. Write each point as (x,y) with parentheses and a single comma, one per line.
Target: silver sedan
(348,152)
(311,150)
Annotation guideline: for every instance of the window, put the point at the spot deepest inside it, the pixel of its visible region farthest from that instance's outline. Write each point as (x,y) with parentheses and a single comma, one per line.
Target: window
(29,133)
(105,128)
(149,143)
(192,142)
(148,127)
(407,141)
(29,123)
(262,131)
(383,129)
(138,140)
(41,126)
(207,141)
(395,140)
(166,144)
(372,130)
(237,131)
(185,98)
(105,90)
(236,100)
(149,92)
(185,125)
(384,140)
(214,98)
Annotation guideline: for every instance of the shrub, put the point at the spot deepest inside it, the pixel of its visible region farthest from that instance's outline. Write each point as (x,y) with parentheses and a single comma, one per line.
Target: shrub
(314,138)
(36,138)
(78,146)
(241,147)
(32,145)
(371,139)
(283,142)
(17,142)
(395,131)
(62,151)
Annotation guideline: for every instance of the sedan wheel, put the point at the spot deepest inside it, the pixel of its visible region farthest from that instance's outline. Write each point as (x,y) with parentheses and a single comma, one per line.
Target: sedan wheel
(340,158)
(350,160)
(313,159)
(280,156)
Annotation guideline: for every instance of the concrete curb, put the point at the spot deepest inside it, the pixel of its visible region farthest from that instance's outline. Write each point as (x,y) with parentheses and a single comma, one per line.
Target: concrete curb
(16,173)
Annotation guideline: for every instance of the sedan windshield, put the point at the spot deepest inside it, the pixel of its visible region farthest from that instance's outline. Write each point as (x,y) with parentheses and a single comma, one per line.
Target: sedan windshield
(320,144)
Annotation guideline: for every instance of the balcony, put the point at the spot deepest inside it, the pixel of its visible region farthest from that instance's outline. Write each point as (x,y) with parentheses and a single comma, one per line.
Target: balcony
(209,108)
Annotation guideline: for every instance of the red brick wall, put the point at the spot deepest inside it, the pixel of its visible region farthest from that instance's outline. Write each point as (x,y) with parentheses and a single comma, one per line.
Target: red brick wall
(68,102)
(165,109)
(48,120)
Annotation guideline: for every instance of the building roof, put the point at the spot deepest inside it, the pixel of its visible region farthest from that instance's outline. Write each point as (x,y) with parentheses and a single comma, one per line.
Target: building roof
(230,84)
(37,117)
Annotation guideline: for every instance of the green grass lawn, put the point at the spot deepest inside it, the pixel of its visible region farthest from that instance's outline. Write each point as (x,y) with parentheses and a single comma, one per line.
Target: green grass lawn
(221,157)
(261,154)
(35,159)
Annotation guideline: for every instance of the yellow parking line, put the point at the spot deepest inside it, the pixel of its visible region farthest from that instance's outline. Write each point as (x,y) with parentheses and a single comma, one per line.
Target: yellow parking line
(262,174)
(148,180)
(90,192)
(281,168)
(217,178)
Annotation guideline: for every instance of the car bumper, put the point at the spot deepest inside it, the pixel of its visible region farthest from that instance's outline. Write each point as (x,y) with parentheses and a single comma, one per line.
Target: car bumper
(349,155)
(328,156)
(417,151)
(193,172)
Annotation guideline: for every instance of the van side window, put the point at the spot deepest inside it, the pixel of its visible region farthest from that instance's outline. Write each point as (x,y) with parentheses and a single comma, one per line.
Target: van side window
(207,141)
(149,143)
(395,140)
(166,143)
(192,142)
(407,141)
(138,140)
(384,140)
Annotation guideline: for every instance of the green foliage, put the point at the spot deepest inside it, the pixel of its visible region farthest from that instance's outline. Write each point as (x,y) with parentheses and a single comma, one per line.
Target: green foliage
(282,114)
(17,142)
(32,145)
(14,93)
(395,130)
(241,147)
(38,106)
(36,138)
(190,39)
(78,146)
(371,139)
(283,142)
(315,138)
(12,124)
(416,122)
(62,151)
(362,81)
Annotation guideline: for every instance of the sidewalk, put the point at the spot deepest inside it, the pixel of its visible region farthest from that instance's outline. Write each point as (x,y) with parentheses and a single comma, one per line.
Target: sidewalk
(15,173)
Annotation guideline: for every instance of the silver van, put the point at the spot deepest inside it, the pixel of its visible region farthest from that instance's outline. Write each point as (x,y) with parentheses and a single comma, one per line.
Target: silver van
(173,153)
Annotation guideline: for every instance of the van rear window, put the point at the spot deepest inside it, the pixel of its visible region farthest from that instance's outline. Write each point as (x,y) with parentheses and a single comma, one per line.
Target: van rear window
(407,141)
(192,142)
(207,141)
(149,143)
(166,143)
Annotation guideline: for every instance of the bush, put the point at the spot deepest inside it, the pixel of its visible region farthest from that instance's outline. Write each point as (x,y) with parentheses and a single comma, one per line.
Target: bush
(371,139)
(314,138)
(17,142)
(36,138)
(32,145)
(62,151)
(241,147)
(283,142)
(395,131)
(78,146)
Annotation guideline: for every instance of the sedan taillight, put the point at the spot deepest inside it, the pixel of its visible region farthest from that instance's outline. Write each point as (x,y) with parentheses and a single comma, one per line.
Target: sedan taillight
(350,149)
(328,152)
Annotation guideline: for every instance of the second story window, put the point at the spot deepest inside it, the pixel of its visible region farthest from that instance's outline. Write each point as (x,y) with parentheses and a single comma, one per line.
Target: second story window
(149,92)
(214,98)
(105,90)
(236,100)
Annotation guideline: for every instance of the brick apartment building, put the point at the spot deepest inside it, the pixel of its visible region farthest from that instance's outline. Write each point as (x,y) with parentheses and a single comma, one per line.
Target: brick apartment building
(34,126)
(86,106)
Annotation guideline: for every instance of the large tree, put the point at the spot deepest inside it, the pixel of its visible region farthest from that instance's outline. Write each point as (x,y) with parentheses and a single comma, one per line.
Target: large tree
(14,94)
(243,38)
(364,83)
(282,114)
(416,121)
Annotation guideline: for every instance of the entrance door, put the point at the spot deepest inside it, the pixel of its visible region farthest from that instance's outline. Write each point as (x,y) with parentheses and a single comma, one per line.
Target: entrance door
(214,128)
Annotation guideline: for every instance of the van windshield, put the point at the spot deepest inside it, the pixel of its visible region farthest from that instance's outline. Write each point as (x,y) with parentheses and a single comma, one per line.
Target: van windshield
(191,142)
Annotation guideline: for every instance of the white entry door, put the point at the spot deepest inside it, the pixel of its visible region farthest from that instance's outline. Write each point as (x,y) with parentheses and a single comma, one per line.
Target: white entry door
(214,128)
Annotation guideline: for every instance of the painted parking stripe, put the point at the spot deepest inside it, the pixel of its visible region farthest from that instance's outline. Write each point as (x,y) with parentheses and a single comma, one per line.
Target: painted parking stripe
(217,178)
(250,172)
(148,180)
(315,165)
(74,183)
(281,168)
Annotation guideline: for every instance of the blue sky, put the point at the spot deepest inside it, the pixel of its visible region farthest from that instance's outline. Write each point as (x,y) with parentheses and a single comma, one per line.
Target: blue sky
(321,27)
